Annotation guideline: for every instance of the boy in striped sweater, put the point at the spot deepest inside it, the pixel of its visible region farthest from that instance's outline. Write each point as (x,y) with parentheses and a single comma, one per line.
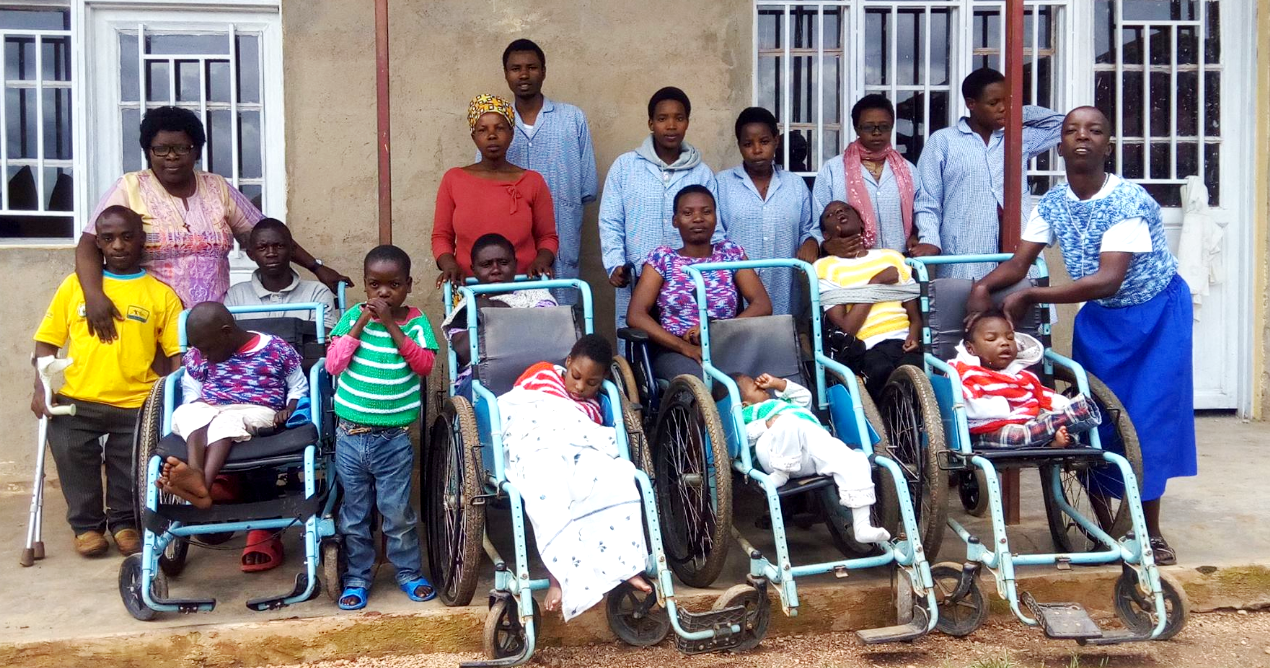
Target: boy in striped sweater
(789,442)
(1006,405)
(380,351)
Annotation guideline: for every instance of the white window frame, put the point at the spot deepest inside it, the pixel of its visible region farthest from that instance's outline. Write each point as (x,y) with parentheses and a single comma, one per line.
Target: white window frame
(94,173)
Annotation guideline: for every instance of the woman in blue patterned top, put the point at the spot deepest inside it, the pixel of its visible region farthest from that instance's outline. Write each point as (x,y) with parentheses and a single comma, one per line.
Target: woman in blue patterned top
(767,210)
(1134,331)
(664,282)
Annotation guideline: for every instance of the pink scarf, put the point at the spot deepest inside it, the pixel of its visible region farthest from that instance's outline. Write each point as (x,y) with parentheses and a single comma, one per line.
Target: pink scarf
(857,193)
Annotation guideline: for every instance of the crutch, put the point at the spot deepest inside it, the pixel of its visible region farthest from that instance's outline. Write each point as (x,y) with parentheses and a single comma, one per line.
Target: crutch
(47,367)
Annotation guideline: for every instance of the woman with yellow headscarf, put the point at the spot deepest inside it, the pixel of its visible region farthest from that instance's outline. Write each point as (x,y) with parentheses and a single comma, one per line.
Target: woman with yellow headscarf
(493,196)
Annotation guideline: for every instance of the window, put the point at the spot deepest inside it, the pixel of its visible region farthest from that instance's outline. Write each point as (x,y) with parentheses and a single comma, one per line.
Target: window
(38,198)
(1158,78)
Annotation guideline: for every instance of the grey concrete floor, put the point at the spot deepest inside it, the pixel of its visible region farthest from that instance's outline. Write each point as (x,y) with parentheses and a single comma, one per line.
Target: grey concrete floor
(1212,520)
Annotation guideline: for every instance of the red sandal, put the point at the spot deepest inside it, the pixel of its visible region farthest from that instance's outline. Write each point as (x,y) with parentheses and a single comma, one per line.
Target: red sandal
(262,543)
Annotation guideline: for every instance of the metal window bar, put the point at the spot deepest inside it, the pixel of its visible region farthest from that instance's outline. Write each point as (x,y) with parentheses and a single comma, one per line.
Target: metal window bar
(37,85)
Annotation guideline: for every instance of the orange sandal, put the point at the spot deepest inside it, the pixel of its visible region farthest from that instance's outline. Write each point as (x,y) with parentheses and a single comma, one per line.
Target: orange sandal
(262,543)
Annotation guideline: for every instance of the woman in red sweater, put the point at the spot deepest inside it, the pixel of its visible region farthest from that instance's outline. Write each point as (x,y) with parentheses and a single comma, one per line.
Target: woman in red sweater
(493,196)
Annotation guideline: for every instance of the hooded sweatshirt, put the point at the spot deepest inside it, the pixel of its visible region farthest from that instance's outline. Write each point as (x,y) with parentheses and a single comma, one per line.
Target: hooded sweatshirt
(1012,395)
(689,156)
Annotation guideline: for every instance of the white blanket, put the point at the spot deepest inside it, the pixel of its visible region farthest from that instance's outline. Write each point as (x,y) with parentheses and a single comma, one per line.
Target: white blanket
(579,493)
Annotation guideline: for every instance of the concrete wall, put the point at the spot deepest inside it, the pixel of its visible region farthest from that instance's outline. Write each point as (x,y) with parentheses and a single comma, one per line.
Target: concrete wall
(1261,212)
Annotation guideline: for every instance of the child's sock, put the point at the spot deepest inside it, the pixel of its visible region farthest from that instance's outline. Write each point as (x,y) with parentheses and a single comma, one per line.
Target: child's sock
(778,477)
(862,526)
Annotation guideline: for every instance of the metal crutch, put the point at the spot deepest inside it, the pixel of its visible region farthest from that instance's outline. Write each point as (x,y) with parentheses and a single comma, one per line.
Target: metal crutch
(47,368)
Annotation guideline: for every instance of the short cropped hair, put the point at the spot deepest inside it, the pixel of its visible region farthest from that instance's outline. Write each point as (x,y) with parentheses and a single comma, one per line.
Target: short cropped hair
(756,115)
(595,348)
(123,212)
(388,253)
(271,224)
(492,239)
(669,93)
(692,189)
(524,45)
(171,119)
(974,83)
(871,101)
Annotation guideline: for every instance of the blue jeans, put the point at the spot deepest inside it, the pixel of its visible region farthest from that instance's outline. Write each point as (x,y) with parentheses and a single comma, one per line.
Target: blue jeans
(374,467)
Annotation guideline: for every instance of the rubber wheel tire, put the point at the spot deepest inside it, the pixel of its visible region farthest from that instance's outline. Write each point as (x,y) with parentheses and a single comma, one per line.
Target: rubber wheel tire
(1069,536)
(635,617)
(172,561)
(640,450)
(690,440)
(624,376)
(504,635)
(130,588)
(964,617)
(333,565)
(1137,611)
(972,489)
(915,432)
(456,526)
(758,614)
(145,443)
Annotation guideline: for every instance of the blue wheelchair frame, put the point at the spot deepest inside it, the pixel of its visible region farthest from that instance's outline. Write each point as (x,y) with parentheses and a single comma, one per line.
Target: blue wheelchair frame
(317,457)
(518,582)
(1132,550)
(848,421)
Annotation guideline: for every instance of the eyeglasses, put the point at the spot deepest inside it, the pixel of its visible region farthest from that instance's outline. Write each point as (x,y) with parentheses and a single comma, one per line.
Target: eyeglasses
(163,151)
(874,129)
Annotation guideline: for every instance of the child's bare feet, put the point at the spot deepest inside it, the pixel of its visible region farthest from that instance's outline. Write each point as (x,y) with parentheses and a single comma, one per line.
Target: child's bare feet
(187,483)
(638,582)
(1062,439)
(554,596)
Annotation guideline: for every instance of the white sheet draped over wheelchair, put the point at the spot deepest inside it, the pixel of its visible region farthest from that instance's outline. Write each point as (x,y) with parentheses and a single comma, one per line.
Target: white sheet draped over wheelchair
(579,493)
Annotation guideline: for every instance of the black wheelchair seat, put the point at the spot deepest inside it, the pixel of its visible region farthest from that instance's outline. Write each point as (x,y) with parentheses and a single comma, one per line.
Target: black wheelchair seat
(947,315)
(514,339)
(284,447)
(803,485)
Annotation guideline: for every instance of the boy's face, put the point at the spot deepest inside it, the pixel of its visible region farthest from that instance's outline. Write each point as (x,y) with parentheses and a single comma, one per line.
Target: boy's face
(841,221)
(524,73)
(387,280)
(750,391)
(215,344)
(494,264)
(583,377)
(120,240)
(758,146)
(993,343)
(271,250)
(695,218)
(989,110)
(669,124)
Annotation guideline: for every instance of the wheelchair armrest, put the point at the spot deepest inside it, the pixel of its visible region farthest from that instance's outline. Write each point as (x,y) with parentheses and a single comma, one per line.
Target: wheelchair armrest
(633,335)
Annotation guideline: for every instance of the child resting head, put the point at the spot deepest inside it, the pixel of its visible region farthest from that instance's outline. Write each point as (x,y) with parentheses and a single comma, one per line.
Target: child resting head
(990,337)
(842,222)
(586,366)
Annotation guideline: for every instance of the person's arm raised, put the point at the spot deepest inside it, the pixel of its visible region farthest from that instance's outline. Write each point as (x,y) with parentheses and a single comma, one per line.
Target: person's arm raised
(1006,274)
(1112,268)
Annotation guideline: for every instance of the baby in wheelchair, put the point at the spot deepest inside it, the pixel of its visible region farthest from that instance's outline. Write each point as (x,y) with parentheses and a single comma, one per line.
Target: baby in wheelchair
(789,442)
(1006,405)
(236,384)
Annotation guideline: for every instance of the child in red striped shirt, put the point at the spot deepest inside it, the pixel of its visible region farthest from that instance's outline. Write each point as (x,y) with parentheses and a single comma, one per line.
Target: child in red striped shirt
(1006,405)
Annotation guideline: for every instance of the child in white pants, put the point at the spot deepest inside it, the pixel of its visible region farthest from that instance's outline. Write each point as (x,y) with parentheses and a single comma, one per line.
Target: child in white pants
(789,442)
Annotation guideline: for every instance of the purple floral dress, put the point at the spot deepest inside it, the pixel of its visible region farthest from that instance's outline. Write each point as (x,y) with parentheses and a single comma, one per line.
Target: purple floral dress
(678,299)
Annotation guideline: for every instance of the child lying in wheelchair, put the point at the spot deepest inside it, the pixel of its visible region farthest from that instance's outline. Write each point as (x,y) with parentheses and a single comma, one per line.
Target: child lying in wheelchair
(789,442)
(578,490)
(1006,405)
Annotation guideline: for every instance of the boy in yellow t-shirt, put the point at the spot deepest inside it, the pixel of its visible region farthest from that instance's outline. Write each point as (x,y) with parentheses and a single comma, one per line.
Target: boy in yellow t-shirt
(872,339)
(107,383)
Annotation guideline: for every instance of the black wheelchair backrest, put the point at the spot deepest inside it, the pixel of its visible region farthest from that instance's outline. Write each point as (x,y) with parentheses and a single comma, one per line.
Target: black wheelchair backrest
(300,333)
(948,314)
(513,339)
(768,344)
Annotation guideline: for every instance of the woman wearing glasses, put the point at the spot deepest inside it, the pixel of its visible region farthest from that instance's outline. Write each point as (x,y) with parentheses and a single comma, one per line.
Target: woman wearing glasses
(191,220)
(875,179)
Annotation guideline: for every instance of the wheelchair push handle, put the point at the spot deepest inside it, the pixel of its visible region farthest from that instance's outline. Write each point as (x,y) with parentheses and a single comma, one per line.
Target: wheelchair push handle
(49,367)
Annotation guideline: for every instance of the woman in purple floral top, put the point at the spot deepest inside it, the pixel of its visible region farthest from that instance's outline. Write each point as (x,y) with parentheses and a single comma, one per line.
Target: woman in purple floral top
(676,334)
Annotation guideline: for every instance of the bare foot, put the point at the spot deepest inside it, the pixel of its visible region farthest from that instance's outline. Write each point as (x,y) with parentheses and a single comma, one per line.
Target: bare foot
(1061,438)
(637,581)
(186,482)
(554,596)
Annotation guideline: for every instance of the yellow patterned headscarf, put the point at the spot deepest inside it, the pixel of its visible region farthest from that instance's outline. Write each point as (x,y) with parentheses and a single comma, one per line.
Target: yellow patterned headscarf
(486,103)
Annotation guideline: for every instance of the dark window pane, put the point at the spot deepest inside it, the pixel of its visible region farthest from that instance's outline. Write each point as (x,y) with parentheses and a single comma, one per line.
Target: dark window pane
(23,195)
(1212,104)
(1131,48)
(1187,46)
(1161,157)
(1212,36)
(1105,96)
(911,46)
(128,72)
(249,144)
(19,58)
(910,124)
(832,83)
(1212,172)
(1161,46)
(940,30)
(987,29)
(799,151)
(187,82)
(769,89)
(1045,84)
(220,148)
(20,122)
(1104,28)
(157,83)
(253,193)
(133,158)
(833,147)
(187,44)
(57,123)
(1132,166)
(57,58)
(59,189)
(938,113)
(248,68)
(769,28)
(876,30)
(833,27)
(1187,104)
(1165,194)
(1161,104)
(1131,95)
(218,83)
(1187,160)
(1160,10)
(35,19)
(36,227)
(802,95)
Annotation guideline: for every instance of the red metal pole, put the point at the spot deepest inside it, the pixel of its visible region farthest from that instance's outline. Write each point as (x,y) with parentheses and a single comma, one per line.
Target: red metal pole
(1011,223)
(384,121)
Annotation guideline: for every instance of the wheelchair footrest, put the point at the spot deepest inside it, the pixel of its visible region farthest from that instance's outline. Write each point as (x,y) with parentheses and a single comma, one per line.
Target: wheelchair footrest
(188,605)
(1063,621)
(277,602)
(898,633)
(1115,637)
(718,621)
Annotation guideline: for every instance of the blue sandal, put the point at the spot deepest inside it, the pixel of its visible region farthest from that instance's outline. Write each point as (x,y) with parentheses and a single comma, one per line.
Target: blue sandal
(416,584)
(358,593)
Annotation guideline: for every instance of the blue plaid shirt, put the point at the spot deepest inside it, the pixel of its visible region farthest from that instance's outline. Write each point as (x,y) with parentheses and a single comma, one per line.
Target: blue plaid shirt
(884,196)
(963,183)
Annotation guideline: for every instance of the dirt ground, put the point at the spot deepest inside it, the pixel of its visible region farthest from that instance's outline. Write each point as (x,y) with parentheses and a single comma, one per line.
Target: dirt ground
(1211,640)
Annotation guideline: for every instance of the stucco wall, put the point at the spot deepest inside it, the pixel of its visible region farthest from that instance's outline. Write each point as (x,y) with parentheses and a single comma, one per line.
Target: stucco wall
(1261,212)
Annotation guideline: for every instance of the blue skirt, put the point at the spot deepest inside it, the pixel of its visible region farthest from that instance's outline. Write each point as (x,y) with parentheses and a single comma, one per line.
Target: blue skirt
(1143,353)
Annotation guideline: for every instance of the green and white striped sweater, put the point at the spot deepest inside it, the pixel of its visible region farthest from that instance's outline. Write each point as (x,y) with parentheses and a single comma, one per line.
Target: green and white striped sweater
(794,401)
(378,388)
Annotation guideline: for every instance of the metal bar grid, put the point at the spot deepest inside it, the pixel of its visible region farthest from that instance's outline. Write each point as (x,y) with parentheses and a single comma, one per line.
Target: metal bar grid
(786,68)
(36,86)
(820,88)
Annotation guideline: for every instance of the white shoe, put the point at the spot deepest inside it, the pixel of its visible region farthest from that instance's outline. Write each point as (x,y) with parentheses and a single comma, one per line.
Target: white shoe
(778,477)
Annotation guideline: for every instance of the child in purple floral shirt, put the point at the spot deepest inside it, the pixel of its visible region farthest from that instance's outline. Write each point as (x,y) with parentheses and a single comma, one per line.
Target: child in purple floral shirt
(236,383)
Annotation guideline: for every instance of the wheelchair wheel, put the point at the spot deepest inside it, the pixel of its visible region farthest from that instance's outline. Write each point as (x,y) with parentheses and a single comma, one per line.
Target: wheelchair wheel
(172,561)
(972,489)
(130,588)
(916,433)
(624,376)
(641,454)
(758,613)
(1136,608)
(333,565)
(694,482)
(885,513)
(635,616)
(504,634)
(456,523)
(145,443)
(961,617)
(1094,489)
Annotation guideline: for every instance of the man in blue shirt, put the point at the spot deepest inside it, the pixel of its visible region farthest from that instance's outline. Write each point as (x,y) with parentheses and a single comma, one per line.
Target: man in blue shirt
(962,172)
(551,138)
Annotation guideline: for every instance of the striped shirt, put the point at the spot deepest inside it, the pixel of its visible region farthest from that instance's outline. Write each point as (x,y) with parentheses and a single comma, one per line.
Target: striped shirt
(884,197)
(886,320)
(378,387)
(549,378)
(1022,391)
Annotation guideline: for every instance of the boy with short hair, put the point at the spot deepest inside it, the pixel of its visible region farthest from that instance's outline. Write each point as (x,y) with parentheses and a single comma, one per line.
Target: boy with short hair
(872,339)
(107,383)
(274,281)
(381,351)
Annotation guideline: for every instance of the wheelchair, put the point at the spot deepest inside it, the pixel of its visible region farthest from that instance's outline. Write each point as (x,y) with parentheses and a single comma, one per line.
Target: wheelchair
(698,444)
(283,499)
(1092,504)
(466,477)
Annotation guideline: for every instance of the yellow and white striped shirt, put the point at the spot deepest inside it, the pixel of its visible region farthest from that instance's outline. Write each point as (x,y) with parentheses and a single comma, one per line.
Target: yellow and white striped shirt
(887,320)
